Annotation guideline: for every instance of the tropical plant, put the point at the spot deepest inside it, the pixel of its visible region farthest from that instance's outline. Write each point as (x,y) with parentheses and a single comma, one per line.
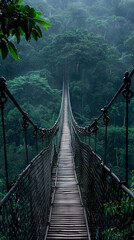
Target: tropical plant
(15,21)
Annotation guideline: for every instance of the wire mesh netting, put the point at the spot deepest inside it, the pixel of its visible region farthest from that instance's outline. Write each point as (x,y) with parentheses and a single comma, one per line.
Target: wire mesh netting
(109,204)
(24,211)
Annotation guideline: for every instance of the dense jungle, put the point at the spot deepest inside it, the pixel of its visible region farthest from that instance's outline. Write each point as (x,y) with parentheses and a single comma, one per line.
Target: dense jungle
(93,42)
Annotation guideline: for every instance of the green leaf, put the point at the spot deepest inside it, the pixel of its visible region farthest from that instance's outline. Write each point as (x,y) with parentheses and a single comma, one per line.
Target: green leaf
(17,34)
(20,30)
(30,11)
(38,13)
(13,51)
(39,31)
(35,34)
(18,1)
(4,49)
(42,22)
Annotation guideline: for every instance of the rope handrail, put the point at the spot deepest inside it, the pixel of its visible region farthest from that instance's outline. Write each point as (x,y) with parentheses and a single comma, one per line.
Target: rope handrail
(24,172)
(126,83)
(118,181)
(113,175)
(46,131)
(87,130)
(93,127)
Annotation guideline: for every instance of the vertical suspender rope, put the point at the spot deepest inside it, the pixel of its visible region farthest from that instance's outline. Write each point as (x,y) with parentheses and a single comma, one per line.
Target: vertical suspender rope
(5,147)
(106,121)
(127,94)
(25,125)
(3,100)
(35,135)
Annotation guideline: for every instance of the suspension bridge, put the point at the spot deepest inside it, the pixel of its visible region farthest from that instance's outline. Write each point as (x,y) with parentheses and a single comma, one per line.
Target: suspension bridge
(67,191)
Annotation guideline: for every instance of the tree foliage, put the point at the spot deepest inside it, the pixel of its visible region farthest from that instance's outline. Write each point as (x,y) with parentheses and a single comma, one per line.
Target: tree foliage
(17,20)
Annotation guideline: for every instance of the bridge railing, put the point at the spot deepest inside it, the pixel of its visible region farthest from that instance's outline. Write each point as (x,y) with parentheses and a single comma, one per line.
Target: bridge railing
(25,208)
(108,202)
(92,129)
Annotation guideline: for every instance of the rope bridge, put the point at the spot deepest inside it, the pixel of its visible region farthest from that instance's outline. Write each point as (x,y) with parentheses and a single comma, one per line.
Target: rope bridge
(106,204)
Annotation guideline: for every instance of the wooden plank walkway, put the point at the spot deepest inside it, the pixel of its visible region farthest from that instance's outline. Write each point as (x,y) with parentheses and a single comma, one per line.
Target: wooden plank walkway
(68,218)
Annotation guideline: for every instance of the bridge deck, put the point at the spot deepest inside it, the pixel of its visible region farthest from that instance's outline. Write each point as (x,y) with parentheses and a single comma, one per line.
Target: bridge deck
(68,219)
